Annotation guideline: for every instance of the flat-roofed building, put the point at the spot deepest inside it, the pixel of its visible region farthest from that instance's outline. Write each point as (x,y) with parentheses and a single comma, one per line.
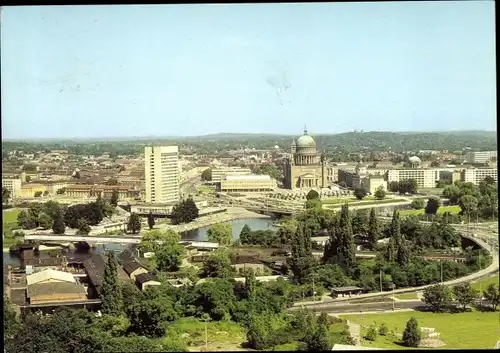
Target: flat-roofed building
(57,292)
(219,173)
(480,156)
(248,183)
(373,182)
(426,178)
(476,175)
(105,191)
(162,174)
(13,185)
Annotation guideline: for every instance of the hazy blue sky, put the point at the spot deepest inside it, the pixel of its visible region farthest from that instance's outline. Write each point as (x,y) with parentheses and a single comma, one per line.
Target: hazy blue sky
(88,71)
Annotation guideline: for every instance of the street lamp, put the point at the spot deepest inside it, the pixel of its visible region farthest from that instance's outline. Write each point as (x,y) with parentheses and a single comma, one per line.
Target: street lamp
(206,318)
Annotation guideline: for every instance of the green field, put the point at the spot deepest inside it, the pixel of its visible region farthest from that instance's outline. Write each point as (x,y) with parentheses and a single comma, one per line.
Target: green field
(462,330)
(342,200)
(355,202)
(485,282)
(204,189)
(452,209)
(222,335)
(9,223)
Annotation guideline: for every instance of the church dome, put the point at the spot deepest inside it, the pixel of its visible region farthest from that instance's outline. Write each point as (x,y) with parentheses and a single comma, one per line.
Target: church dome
(414,160)
(305,141)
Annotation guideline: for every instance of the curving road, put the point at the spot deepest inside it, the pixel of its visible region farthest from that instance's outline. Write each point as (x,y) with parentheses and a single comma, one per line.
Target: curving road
(487,240)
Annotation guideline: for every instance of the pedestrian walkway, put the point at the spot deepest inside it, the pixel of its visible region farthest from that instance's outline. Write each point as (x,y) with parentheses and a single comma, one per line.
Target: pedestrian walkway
(355,331)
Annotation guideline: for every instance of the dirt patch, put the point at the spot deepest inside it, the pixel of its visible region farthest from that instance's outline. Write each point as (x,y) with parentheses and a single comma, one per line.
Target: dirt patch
(431,343)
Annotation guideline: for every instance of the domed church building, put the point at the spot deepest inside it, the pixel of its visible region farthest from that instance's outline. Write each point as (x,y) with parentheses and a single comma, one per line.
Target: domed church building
(307,167)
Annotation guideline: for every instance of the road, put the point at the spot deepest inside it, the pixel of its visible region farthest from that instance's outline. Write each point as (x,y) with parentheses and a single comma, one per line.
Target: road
(360,307)
(353,308)
(487,240)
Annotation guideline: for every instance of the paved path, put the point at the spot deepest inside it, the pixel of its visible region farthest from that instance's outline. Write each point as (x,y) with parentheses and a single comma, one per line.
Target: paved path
(355,331)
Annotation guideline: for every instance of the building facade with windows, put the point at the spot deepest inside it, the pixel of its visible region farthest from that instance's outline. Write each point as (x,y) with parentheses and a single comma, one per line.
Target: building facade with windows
(306,168)
(476,175)
(480,156)
(219,173)
(426,178)
(247,183)
(162,175)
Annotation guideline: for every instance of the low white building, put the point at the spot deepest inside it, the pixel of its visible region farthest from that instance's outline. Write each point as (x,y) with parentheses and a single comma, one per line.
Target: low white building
(247,183)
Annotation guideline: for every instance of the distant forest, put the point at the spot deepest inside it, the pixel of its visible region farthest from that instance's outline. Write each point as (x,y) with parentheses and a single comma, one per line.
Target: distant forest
(336,143)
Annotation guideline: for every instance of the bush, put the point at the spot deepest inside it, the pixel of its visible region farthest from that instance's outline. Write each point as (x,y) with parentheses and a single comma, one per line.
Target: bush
(371,334)
(418,204)
(383,330)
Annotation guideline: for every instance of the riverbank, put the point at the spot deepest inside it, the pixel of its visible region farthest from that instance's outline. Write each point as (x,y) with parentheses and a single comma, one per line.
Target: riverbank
(232,214)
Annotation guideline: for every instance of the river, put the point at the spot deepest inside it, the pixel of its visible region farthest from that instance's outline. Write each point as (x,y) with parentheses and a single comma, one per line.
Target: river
(199,234)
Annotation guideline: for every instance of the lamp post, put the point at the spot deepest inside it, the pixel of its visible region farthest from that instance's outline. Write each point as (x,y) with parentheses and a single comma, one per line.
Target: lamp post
(206,318)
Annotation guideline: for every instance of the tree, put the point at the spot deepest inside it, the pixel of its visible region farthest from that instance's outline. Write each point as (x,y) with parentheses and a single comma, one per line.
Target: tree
(184,212)
(112,301)
(438,297)
(245,234)
(371,334)
(38,194)
(168,255)
(409,186)
(465,294)
(346,239)
(374,230)
(417,204)
(83,227)
(411,334)
(314,203)
(221,233)
(360,193)
(114,198)
(150,317)
(5,195)
(206,175)
(112,181)
(393,186)
(379,193)
(468,205)
(432,206)
(26,220)
(452,193)
(58,226)
(318,341)
(44,220)
(151,220)
(61,191)
(134,223)
(492,294)
(218,264)
(45,193)
(10,321)
(312,195)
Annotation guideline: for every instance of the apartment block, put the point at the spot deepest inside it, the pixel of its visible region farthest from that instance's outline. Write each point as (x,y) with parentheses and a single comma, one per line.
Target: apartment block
(480,156)
(219,173)
(162,174)
(13,185)
(476,175)
(426,178)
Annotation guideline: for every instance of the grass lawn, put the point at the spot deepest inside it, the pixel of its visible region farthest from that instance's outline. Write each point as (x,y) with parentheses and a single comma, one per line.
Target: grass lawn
(342,200)
(206,189)
(224,335)
(8,224)
(452,209)
(462,330)
(406,296)
(485,282)
(355,202)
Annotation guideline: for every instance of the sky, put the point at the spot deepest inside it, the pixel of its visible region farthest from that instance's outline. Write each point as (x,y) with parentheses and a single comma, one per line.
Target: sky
(187,70)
